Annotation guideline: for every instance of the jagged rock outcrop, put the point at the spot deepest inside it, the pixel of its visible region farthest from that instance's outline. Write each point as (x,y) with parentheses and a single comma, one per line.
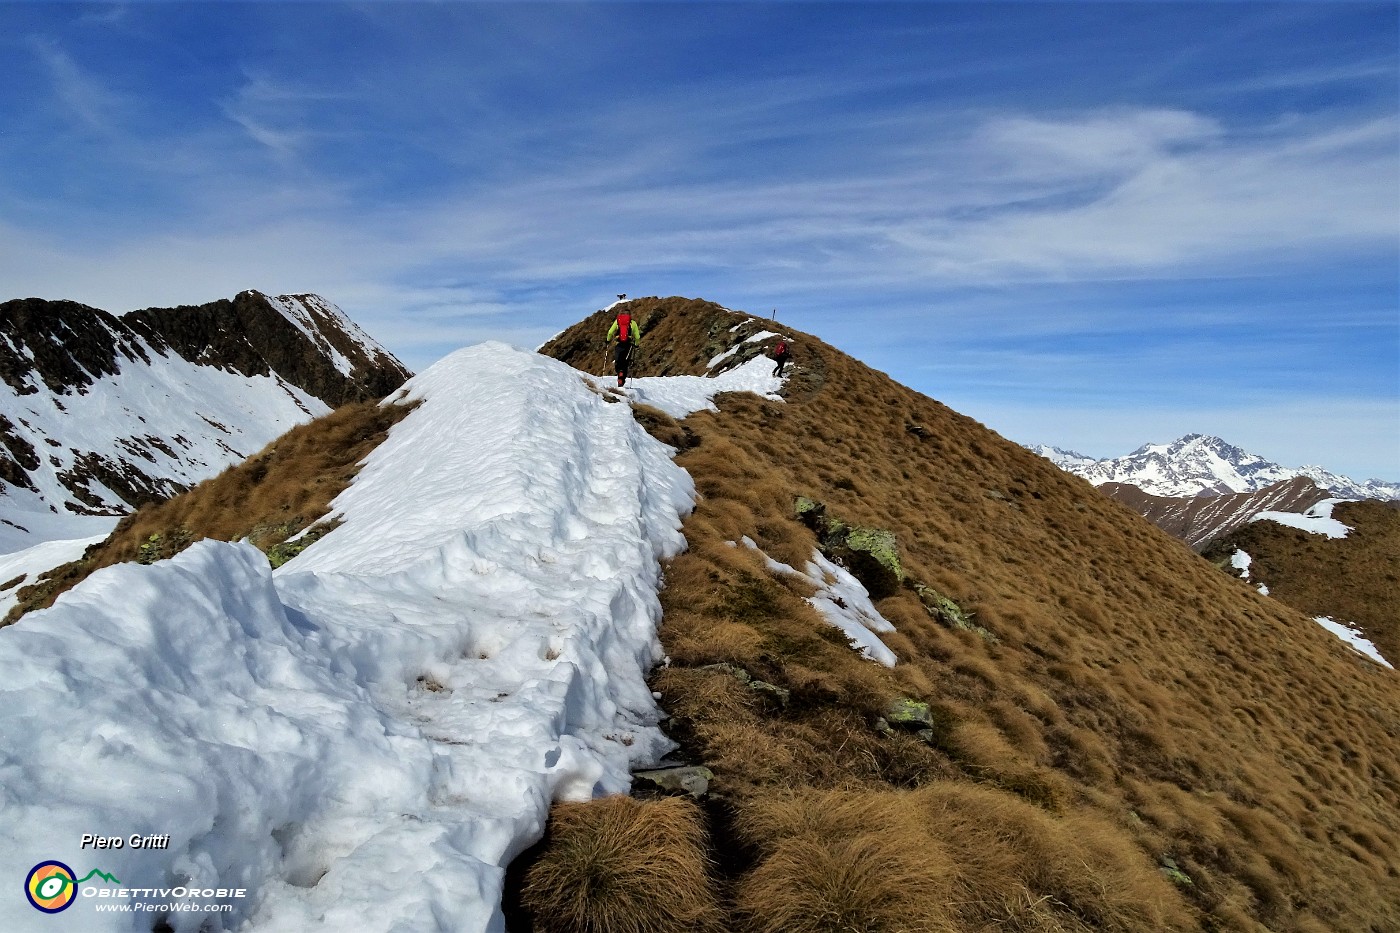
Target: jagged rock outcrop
(304,339)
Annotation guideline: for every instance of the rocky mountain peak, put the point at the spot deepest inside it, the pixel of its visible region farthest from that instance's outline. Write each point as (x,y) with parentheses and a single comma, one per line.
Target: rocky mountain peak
(1206,465)
(305,339)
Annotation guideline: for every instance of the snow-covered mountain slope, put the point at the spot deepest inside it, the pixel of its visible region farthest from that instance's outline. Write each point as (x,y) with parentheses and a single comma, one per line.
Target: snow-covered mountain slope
(99,414)
(1198,520)
(365,738)
(305,339)
(1201,465)
(1064,459)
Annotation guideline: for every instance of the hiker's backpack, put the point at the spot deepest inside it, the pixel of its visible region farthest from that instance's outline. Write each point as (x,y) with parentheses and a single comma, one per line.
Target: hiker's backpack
(624,327)
(781,348)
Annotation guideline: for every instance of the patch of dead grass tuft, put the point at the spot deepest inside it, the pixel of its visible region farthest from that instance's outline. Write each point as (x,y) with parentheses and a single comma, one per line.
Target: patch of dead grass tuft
(845,861)
(619,865)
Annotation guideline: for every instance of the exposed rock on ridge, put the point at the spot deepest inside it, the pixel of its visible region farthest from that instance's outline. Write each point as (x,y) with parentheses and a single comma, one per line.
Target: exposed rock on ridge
(302,338)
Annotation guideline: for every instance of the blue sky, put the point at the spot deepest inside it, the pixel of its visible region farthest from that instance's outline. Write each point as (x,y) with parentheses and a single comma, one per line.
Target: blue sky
(1091,225)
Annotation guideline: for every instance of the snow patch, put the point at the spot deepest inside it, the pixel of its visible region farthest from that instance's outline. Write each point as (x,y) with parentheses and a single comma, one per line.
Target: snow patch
(679,396)
(721,357)
(1317,520)
(761,335)
(1354,638)
(32,562)
(843,601)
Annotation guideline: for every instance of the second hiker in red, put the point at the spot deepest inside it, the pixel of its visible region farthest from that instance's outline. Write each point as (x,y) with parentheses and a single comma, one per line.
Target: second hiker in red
(781,354)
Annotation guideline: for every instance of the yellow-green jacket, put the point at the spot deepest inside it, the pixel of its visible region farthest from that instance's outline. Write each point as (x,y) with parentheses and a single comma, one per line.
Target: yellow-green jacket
(636,334)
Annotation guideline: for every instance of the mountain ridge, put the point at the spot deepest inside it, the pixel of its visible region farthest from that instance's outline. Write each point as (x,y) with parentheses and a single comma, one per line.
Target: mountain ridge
(101,413)
(1199,520)
(1071,654)
(1351,579)
(1086,727)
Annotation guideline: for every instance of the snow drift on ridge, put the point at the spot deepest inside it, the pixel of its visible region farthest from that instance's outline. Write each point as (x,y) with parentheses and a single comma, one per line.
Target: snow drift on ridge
(364,739)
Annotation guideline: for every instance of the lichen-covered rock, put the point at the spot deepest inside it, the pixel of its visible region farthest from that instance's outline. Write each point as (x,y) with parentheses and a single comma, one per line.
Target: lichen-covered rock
(909,714)
(950,613)
(1174,872)
(931,724)
(811,513)
(941,607)
(692,780)
(881,547)
(870,554)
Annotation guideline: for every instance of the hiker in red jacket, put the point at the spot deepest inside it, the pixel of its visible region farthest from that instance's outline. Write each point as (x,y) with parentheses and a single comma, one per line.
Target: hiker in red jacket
(781,354)
(625,330)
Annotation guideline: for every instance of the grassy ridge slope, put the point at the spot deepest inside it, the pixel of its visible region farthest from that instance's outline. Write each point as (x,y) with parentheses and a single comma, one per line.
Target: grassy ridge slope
(1355,579)
(1143,743)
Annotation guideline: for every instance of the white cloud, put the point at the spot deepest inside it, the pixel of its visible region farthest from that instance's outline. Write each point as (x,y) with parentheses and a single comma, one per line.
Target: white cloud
(281,115)
(1037,148)
(1168,195)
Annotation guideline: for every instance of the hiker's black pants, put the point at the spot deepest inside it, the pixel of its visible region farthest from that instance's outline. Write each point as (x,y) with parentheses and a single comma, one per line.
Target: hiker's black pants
(781,359)
(623,355)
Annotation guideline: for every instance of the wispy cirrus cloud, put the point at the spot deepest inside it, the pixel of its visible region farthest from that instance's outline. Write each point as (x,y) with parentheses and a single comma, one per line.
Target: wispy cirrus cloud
(284,116)
(1013,194)
(1013,198)
(80,95)
(1165,194)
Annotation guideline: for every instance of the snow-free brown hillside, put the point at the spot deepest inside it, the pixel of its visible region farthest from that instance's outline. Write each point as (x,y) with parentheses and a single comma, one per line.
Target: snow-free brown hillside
(1199,520)
(1353,579)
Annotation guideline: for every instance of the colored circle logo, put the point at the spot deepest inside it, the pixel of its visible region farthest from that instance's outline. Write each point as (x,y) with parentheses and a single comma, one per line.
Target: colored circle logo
(51,887)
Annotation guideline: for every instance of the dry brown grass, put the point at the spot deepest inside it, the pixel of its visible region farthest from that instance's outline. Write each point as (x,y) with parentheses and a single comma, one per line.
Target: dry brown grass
(1137,705)
(947,856)
(855,863)
(619,865)
(1354,579)
(267,499)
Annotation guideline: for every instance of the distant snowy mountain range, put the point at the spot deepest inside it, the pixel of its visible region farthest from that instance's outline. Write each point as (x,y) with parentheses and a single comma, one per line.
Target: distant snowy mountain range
(1201,465)
(100,414)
